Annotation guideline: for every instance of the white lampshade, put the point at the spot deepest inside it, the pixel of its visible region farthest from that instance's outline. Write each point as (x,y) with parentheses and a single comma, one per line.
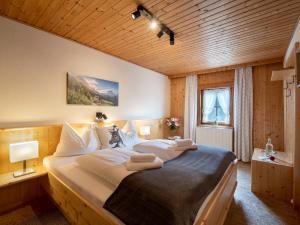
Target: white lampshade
(145,130)
(23,151)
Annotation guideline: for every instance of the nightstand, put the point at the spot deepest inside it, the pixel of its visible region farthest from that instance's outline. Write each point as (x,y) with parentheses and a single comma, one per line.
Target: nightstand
(17,191)
(271,178)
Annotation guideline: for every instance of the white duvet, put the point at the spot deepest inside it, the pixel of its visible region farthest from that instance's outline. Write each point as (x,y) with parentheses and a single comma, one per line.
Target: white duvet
(113,165)
(109,164)
(164,149)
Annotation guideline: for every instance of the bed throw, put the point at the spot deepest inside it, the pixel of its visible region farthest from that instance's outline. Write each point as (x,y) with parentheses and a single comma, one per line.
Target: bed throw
(171,195)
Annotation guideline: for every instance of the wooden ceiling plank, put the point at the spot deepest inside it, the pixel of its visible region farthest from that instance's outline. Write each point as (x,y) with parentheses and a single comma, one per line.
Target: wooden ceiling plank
(208,33)
(219,53)
(263,15)
(197,55)
(71,17)
(50,11)
(239,29)
(106,25)
(61,13)
(151,37)
(104,12)
(4,5)
(14,8)
(279,3)
(120,34)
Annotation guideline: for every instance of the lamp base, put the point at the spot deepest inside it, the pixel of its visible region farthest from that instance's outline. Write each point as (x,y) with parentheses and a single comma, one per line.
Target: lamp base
(20,173)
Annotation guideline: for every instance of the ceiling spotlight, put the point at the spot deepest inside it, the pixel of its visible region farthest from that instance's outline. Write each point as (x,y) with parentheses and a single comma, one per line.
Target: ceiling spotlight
(172,40)
(135,15)
(160,34)
(153,24)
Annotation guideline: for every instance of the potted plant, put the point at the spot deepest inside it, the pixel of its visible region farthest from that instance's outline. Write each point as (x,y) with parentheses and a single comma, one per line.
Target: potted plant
(173,124)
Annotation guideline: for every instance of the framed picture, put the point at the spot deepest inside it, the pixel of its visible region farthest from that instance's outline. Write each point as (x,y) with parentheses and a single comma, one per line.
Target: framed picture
(85,90)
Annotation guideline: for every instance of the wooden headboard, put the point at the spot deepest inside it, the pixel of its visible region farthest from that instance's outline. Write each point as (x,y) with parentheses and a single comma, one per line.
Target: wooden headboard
(48,138)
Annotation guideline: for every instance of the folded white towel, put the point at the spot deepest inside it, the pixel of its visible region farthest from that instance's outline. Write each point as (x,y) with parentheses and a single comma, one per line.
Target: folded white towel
(136,166)
(143,157)
(184,148)
(183,142)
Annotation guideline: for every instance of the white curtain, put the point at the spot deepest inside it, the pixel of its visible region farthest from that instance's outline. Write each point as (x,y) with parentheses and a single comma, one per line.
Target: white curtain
(190,107)
(209,100)
(224,101)
(243,113)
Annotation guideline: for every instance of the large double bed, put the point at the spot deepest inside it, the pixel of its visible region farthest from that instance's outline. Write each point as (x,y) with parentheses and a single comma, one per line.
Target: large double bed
(85,198)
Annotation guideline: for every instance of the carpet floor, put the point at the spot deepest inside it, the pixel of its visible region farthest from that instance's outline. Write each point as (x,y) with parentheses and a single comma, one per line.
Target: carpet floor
(246,209)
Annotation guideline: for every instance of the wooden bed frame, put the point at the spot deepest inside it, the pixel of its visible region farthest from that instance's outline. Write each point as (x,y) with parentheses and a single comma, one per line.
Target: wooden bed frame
(79,211)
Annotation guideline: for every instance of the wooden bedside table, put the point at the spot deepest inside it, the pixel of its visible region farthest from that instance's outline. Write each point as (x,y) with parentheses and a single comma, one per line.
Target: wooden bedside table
(271,178)
(17,191)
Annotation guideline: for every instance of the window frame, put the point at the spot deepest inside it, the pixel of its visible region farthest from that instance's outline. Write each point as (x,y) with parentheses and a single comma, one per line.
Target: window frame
(200,109)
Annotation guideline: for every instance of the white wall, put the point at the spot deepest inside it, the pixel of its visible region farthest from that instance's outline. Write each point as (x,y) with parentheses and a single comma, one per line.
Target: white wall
(33,68)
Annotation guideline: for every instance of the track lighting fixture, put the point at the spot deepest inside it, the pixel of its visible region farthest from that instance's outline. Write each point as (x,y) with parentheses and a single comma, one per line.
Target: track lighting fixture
(154,23)
(160,34)
(135,15)
(172,41)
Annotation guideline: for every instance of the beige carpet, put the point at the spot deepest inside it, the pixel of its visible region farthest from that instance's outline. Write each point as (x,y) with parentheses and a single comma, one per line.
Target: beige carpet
(246,209)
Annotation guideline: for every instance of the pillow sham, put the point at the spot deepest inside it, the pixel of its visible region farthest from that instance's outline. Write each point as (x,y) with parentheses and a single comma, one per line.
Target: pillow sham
(129,134)
(72,143)
(109,137)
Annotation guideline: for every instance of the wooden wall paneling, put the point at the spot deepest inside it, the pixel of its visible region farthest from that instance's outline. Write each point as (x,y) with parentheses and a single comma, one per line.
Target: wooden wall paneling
(296,186)
(177,101)
(267,99)
(297,153)
(49,136)
(267,107)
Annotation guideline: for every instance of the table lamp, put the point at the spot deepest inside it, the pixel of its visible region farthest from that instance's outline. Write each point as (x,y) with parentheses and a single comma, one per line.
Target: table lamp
(145,131)
(23,151)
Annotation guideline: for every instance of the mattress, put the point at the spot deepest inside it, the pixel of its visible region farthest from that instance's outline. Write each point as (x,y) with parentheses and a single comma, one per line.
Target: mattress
(89,186)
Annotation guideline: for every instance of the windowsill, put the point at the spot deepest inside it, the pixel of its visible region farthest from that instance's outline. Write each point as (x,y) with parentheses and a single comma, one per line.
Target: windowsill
(215,126)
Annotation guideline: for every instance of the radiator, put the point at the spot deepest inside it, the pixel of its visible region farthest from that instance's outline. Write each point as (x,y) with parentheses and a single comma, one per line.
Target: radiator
(215,136)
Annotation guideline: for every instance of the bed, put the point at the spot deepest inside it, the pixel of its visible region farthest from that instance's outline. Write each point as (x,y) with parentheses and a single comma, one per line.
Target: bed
(81,195)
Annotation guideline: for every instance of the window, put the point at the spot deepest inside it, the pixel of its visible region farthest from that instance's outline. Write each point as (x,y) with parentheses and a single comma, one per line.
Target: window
(216,106)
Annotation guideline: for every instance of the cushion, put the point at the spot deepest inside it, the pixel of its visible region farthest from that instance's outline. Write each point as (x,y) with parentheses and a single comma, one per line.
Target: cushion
(109,137)
(129,134)
(72,143)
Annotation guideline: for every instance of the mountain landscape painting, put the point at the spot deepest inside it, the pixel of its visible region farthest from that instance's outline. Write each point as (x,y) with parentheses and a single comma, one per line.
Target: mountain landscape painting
(85,90)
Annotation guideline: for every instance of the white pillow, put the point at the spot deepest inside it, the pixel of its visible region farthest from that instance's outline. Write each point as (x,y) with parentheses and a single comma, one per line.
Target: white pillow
(71,143)
(109,138)
(129,134)
(104,136)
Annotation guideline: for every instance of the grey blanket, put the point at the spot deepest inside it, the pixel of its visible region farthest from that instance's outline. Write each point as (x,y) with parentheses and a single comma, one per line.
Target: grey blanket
(171,195)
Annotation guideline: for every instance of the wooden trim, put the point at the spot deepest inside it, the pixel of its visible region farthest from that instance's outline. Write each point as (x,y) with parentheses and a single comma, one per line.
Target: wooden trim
(231,67)
(200,105)
(79,211)
(282,74)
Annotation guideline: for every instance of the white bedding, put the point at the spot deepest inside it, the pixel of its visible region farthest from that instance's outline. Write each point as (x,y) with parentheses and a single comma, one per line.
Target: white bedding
(91,187)
(164,149)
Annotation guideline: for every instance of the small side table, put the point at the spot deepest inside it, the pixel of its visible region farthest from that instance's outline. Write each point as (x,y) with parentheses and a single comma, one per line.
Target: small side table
(271,178)
(17,191)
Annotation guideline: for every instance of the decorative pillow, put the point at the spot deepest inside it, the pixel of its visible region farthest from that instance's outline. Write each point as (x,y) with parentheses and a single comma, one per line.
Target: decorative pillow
(72,143)
(129,134)
(109,137)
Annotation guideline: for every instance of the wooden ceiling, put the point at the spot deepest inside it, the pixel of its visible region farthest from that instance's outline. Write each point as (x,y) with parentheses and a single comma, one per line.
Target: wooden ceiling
(208,33)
